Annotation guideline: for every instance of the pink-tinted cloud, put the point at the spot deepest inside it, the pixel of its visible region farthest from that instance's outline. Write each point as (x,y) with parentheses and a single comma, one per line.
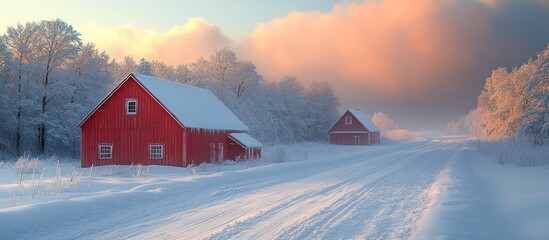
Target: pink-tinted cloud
(417,60)
(180,44)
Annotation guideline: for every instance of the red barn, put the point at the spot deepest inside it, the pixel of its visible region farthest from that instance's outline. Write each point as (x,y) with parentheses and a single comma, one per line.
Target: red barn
(354,128)
(151,121)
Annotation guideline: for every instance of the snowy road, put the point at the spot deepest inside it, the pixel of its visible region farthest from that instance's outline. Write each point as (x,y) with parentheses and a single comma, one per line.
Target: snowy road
(376,193)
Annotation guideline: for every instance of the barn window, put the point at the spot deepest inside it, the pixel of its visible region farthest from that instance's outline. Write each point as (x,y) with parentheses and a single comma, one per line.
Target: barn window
(156,151)
(105,151)
(348,120)
(131,106)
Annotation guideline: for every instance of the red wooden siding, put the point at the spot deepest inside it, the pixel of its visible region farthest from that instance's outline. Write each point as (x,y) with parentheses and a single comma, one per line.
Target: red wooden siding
(237,152)
(348,138)
(344,134)
(132,134)
(199,143)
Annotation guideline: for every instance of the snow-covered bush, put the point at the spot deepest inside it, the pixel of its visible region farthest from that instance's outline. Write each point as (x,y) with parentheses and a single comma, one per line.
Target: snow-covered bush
(280,154)
(520,153)
(390,130)
(25,164)
(74,180)
(141,171)
(400,135)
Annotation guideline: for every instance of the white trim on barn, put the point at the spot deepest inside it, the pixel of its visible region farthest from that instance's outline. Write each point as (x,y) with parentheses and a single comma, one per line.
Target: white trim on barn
(105,150)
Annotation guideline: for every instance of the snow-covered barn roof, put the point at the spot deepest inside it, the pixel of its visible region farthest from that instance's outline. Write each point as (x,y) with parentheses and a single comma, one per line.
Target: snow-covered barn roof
(245,140)
(194,107)
(364,120)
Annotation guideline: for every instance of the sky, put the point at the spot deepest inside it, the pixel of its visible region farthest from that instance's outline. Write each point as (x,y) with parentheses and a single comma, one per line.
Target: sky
(422,62)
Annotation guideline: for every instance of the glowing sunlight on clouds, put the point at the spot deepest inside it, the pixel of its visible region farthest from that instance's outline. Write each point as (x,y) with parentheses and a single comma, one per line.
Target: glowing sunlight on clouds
(180,44)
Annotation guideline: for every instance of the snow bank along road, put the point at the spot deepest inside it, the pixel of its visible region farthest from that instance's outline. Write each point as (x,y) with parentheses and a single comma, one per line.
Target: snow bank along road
(378,192)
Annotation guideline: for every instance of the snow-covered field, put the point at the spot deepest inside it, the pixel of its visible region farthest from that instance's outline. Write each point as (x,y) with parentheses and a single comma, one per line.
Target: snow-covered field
(440,187)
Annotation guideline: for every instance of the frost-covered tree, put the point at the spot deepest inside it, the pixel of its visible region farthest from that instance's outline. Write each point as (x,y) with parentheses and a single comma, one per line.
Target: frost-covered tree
(22,42)
(120,69)
(145,67)
(383,122)
(162,70)
(182,74)
(536,116)
(322,112)
(50,83)
(6,115)
(502,102)
(58,42)
(88,80)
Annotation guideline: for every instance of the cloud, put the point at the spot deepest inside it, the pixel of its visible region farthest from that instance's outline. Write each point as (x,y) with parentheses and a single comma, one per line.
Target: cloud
(180,44)
(417,60)
(422,62)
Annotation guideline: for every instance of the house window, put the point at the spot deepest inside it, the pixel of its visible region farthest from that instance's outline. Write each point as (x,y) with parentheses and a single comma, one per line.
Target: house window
(105,151)
(357,140)
(131,106)
(156,151)
(348,120)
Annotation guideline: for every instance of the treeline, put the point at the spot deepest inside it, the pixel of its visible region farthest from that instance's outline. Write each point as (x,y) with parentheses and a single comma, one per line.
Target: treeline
(513,105)
(50,79)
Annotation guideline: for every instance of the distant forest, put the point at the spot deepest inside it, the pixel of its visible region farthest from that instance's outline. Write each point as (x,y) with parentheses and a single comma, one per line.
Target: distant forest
(50,79)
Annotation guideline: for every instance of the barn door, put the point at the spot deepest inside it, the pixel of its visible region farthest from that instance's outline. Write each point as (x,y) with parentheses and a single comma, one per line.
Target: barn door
(212,152)
(220,150)
(357,140)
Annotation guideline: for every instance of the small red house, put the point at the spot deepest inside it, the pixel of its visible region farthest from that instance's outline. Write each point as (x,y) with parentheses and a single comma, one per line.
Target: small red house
(354,128)
(151,121)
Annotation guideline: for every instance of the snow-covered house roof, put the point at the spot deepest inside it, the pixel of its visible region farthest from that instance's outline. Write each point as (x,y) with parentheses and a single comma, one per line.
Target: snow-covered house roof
(245,140)
(193,107)
(364,120)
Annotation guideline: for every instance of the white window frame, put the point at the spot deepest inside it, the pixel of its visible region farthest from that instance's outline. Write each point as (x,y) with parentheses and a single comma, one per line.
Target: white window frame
(158,153)
(348,120)
(106,154)
(128,100)
(357,140)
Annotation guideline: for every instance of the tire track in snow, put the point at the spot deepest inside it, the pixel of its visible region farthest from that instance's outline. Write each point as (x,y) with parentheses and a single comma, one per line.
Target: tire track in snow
(171,211)
(224,209)
(234,223)
(356,209)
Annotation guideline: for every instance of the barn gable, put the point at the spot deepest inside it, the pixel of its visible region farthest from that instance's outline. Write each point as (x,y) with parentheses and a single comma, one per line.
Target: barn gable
(364,120)
(358,122)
